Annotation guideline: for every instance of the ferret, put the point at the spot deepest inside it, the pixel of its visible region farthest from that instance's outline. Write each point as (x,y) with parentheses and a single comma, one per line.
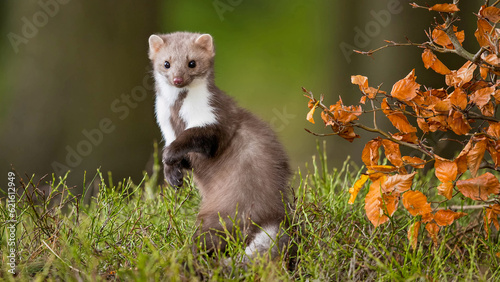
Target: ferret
(239,167)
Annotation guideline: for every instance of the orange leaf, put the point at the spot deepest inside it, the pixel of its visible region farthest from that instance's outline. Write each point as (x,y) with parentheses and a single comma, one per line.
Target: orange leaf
(374,205)
(370,153)
(423,125)
(479,188)
(354,190)
(406,88)
(491,59)
(491,216)
(415,162)
(428,217)
(446,189)
(416,203)
(458,123)
(442,106)
(382,168)
(482,33)
(446,170)
(461,76)
(446,217)
(482,96)
(397,118)
(461,160)
(406,137)
(440,37)
(458,98)
(494,152)
(475,156)
(433,231)
(445,8)
(491,13)
(482,71)
(360,80)
(392,152)
(431,61)
(398,183)
(413,234)
(494,129)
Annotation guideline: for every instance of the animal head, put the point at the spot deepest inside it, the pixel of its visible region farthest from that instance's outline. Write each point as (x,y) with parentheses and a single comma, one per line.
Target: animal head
(181,57)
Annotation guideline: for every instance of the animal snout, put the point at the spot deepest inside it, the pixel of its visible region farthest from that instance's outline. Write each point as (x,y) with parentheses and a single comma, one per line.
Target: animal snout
(178,80)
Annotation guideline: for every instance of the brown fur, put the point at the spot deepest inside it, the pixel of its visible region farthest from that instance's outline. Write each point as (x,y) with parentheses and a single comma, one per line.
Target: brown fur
(238,164)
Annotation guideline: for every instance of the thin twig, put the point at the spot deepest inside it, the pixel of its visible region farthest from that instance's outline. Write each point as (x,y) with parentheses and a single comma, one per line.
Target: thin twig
(67,264)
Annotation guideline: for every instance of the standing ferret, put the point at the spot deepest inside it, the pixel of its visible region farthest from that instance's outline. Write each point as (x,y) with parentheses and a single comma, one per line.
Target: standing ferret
(239,166)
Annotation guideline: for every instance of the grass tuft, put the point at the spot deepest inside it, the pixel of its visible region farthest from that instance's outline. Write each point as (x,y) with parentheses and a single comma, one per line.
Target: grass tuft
(143,232)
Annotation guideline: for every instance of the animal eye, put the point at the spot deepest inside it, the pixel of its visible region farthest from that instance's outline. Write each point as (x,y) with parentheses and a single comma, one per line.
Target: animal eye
(167,65)
(192,64)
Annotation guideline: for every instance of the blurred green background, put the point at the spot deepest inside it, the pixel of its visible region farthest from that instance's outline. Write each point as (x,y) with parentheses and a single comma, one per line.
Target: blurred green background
(75,87)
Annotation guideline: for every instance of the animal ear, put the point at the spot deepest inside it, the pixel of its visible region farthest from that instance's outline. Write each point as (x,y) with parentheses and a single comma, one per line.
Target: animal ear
(205,41)
(155,43)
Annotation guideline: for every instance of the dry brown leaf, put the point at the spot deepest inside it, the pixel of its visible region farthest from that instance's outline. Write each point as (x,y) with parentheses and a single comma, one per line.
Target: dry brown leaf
(370,154)
(482,96)
(446,217)
(494,150)
(446,189)
(415,162)
(379,206)
(381,168)
(431,61)
(491,13)
(442,106)
(406,88)
(446,170)
(397,118)
(482,33)
(424,126)
(433,230)
(458,123)
(461,76)
(494,129)
(392,152)
(445,8)
(458,98)
(406,137)
(475,156)
(441,38)
(416,203)
(491,216)
(461,159)
(398,183)
(479,188)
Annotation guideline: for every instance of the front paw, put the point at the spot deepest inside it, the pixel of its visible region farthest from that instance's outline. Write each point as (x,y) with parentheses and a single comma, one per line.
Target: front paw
(172,156)
(173,175)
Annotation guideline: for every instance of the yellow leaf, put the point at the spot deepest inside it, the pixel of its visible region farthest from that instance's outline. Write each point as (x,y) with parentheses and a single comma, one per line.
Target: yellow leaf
(354,190)
(311,113)
(413,234)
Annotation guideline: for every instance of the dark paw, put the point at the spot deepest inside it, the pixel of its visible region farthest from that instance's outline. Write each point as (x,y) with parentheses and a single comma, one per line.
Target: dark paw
(172,157)
(173,175)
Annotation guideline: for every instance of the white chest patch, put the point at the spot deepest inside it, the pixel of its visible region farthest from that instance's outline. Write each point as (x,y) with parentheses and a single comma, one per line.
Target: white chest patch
(165,99)
(195,110)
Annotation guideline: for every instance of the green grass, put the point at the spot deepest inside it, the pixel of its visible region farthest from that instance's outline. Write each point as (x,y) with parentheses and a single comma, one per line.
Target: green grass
(142,232)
